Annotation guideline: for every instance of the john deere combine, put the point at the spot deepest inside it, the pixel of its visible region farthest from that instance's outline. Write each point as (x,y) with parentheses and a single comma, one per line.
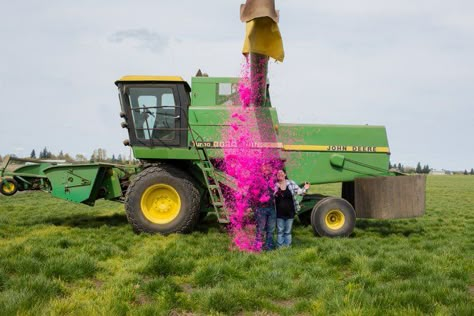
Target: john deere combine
(176,132)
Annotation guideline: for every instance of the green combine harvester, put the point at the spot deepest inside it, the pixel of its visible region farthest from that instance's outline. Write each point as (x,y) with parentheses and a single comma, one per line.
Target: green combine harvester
(176,134)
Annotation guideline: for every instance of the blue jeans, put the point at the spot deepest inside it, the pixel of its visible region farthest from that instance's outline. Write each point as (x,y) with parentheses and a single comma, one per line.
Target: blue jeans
(266,220)
(284,231)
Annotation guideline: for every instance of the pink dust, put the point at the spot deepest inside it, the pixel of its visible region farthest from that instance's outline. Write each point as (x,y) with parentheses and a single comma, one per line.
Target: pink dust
(243,161)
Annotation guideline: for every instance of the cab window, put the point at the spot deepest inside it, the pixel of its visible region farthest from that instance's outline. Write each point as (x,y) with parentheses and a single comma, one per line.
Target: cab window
(154,113)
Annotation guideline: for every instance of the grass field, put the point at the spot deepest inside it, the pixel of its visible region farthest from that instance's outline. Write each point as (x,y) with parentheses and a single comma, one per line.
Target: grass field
(61,258)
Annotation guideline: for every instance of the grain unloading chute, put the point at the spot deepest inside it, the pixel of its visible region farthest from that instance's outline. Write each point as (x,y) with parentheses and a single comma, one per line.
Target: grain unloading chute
(262,41)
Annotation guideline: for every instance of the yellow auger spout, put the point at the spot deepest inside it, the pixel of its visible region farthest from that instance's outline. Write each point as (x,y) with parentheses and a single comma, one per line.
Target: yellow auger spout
(262,41)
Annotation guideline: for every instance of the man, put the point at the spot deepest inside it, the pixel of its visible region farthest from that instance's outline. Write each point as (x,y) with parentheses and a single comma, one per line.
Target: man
(263,202)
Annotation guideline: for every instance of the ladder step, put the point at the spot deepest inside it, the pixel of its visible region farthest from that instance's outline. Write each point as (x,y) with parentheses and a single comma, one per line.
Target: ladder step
(223,220)
(218,204)
(213,186)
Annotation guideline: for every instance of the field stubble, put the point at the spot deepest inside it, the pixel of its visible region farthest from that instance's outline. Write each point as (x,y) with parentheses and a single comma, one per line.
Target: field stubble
(60,258)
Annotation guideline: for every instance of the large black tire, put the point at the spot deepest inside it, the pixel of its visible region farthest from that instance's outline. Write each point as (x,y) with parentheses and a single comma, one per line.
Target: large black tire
(169,198)
(8,186)
(333,217)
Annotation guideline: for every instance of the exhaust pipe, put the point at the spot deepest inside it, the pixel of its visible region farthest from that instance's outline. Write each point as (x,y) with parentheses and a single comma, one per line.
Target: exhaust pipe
(262,41)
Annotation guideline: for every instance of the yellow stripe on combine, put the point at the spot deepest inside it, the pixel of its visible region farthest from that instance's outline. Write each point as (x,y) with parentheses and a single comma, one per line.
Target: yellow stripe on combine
(327,148)
(364,149)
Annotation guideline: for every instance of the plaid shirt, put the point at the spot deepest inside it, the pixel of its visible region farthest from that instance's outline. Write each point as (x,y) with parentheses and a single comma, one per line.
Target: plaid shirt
(295,190)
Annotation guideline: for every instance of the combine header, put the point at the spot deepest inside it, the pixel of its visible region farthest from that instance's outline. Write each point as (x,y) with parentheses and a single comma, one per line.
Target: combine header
(80,183)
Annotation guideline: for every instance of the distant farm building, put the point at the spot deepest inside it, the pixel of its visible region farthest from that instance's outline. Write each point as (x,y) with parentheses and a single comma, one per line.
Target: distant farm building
(438,172)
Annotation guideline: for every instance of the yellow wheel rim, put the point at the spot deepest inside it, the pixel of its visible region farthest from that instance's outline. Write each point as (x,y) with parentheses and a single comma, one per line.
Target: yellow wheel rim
(335,219)
(8,187)
(160,203)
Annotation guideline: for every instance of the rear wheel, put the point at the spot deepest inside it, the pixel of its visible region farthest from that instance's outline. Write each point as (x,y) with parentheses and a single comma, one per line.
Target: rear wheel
(333,217)
(162,200)
(8,187)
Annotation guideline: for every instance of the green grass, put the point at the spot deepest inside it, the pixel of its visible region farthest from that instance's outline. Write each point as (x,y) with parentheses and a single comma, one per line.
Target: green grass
(61,258)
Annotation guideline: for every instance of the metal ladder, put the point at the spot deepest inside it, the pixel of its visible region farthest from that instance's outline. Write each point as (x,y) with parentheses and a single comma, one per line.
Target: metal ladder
(212,183)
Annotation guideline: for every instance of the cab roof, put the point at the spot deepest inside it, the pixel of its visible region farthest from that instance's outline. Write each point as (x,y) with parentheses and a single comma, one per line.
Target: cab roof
(148,79)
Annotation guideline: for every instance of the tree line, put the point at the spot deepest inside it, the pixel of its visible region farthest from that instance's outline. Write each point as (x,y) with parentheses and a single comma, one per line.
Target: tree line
(406,169)
(469,173)
(422,169)
(98,155)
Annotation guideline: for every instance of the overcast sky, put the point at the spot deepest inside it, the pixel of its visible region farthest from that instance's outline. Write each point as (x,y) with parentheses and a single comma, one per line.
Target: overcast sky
(405,64)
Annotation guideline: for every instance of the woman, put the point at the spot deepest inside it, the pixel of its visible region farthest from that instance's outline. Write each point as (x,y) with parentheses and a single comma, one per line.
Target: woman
(286,206)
